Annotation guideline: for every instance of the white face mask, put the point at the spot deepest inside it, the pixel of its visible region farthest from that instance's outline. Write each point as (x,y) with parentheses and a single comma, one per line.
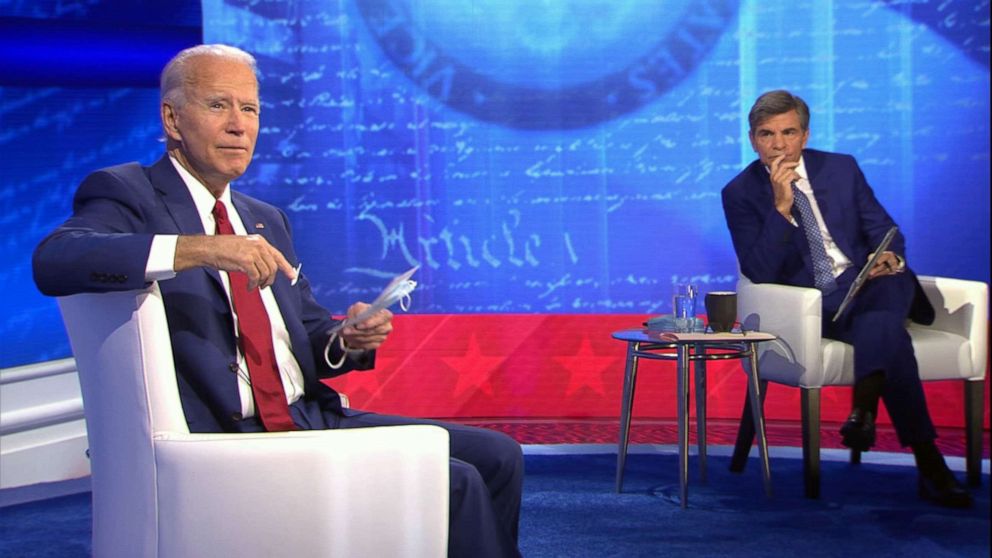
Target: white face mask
(398,290)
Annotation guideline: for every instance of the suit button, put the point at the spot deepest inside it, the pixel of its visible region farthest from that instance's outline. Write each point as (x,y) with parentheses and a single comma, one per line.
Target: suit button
(233,367)
(236,416)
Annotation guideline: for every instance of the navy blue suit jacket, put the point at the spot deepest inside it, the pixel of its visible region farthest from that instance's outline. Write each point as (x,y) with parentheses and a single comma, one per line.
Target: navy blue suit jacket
(104,246)
(770,249)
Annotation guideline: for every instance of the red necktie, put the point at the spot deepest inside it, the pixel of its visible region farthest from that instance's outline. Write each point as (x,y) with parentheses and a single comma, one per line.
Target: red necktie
(256,342)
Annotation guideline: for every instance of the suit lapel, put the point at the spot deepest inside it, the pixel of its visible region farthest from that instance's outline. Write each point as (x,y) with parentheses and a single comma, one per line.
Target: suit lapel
(762,184)
(175,196)
(253,225)
(178,202)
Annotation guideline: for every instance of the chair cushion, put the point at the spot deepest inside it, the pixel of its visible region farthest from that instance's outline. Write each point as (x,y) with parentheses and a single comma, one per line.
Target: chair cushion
(942,355)
(838,363)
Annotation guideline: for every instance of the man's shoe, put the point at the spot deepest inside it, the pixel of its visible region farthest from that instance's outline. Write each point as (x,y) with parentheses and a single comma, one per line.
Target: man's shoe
(944,490)
(858,431)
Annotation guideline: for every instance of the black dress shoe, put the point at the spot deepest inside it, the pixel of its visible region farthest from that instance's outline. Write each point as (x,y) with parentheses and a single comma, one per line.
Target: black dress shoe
(944,489)
(858,431)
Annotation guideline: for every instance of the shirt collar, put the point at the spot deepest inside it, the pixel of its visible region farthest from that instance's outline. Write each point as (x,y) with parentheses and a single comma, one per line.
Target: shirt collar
(202,198)
(801,169)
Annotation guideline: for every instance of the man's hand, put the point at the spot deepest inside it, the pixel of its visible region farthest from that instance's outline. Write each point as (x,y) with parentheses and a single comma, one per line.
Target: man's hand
(369,334)
(783,174)
(251,255)
(888,264)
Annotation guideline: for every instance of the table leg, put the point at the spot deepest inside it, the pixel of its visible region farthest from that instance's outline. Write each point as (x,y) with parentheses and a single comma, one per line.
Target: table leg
(626,408)
(701,412)
(758,414)
(683,410)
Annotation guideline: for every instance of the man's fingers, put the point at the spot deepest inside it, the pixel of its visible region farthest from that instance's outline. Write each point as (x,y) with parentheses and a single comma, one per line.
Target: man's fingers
(258,275)
(788,172)
(356,309)
(886,265)
(378,324)
(367,335)
(256,258)
(263,260)
(283,265)
(370,333)
(775,162)
(380,320)
(362,339)
(783,172)
(258,271)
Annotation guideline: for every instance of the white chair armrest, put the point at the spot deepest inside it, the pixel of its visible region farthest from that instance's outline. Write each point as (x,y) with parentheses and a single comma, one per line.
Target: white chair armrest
(961,307)
(793,314)
(218,493)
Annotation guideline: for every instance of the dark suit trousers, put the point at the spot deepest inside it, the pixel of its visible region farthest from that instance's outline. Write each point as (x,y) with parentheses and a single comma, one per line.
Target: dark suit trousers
(486,475)
(875,324)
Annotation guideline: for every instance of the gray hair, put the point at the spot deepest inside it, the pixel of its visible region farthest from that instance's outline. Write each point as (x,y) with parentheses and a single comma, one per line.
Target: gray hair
(778,102)
(176,73)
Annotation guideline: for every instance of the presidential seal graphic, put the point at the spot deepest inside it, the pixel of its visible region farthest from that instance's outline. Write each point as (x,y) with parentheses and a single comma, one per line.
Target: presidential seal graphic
(546,64)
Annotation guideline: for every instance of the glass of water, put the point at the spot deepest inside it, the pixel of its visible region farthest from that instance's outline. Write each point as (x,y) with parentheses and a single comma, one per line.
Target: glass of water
(684,307)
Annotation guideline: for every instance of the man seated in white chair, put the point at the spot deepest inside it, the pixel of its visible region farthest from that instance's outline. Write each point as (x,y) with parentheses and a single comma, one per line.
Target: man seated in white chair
(250,341)
(809,218)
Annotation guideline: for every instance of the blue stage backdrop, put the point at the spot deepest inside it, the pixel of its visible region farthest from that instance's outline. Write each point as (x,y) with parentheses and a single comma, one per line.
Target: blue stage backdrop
(78,91)
(546,157)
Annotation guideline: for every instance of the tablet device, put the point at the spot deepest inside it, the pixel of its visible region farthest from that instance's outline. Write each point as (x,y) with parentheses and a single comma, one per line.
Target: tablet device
(859,281)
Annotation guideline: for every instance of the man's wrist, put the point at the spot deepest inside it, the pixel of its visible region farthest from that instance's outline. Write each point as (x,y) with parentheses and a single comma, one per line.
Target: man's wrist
(161,258)
(351,351)
(787,215)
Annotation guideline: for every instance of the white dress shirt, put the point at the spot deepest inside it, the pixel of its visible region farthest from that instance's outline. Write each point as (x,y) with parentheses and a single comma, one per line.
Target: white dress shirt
(838,260)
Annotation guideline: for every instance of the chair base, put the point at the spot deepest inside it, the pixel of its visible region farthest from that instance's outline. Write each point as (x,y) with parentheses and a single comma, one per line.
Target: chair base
(974,408)
(974,393)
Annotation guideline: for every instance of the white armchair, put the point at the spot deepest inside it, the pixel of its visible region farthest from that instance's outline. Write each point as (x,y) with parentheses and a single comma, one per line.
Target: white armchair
(160,491)
(954,347)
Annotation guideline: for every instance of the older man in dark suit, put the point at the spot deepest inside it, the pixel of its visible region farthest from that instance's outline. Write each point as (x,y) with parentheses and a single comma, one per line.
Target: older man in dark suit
(249,340)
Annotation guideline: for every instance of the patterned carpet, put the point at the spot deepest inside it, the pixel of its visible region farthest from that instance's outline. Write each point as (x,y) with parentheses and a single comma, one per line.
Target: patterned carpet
(719,432)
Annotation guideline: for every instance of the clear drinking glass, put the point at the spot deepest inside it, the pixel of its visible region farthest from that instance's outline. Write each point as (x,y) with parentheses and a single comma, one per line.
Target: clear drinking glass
(684,307)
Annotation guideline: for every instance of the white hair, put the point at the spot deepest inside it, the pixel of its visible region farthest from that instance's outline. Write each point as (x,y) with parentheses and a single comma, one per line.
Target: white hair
(176,73)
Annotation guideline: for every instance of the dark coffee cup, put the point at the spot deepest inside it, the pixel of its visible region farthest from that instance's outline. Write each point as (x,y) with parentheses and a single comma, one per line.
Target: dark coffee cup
(721,310)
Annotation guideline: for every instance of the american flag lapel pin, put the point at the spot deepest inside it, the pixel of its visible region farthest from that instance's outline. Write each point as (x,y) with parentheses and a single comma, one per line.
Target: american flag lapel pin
(259,225)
